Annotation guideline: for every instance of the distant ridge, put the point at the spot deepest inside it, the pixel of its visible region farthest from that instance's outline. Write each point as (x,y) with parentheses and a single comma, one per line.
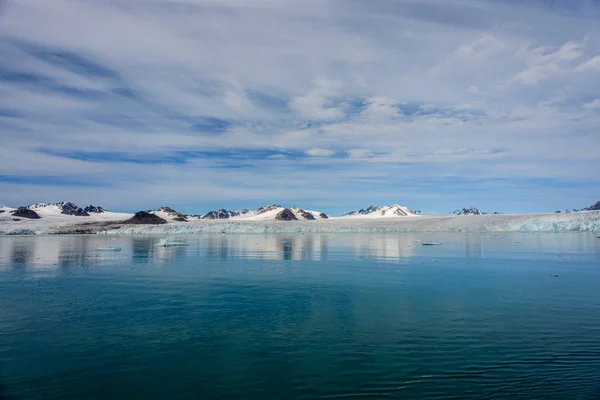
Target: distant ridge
(593,207)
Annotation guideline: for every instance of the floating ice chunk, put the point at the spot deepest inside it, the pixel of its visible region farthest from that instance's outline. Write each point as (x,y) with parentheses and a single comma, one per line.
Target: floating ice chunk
(115,249)
(170,243)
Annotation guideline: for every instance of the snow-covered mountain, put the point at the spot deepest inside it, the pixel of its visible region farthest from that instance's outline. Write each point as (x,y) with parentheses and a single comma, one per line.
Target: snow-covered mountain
(392,211)
(43,215)
(65,208)
(274,212)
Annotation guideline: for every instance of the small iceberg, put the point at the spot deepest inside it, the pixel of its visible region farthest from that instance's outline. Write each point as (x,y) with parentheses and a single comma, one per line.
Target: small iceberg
(170,243)
(113,249)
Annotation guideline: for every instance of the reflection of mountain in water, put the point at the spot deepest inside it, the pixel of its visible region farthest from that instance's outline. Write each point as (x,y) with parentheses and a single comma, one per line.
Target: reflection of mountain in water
(473,246)
(268,247)
(307,247)
(142,250)
(70,251)
(380,246)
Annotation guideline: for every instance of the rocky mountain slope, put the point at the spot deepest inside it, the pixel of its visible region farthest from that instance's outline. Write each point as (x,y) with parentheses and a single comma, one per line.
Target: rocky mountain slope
(168,214)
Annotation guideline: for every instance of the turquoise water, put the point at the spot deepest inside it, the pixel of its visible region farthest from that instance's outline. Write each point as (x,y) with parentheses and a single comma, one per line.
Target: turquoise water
(301,317)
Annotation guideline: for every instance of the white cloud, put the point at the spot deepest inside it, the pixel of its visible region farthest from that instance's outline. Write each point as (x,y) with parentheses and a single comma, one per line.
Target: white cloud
(359,153)
(592,105)
(316,152)
(316,104)
(544,63)
(593,64)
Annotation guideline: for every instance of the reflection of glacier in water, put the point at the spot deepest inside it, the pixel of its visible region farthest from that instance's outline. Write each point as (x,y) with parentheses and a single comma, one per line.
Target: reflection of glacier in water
(63,252)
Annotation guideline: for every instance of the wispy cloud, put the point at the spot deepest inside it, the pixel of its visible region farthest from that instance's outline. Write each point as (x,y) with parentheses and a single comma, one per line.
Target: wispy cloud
(203,103)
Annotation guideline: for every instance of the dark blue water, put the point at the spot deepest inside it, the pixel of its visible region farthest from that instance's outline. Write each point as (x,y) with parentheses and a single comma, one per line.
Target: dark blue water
(301,317)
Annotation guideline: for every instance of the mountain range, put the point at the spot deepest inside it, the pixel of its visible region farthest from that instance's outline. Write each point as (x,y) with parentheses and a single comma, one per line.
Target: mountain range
(594,207)
(273,212)
(395,210)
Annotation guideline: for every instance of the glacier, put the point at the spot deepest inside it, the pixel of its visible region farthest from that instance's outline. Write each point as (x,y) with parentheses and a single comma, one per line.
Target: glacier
(588,221)
(583,222)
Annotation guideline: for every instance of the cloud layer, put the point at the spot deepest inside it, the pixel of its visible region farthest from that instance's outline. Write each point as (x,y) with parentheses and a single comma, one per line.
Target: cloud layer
(436,104)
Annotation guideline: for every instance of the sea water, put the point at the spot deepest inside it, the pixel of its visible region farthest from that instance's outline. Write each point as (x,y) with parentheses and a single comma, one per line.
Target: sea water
(299,316)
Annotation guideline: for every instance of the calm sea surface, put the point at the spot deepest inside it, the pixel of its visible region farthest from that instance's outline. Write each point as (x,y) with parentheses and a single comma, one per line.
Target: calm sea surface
(301,317)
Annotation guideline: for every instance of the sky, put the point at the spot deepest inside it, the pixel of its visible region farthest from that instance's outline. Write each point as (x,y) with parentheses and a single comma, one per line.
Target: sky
(330,105)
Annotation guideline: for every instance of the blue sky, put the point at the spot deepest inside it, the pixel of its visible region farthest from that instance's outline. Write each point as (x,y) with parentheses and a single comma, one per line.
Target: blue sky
(330,105)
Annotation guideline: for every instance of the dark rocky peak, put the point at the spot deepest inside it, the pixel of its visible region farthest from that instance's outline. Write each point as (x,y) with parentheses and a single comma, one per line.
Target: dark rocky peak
(286,215)
(220,214)
(25,212)
(266,209)
(362,211)
(595,207)
(94,209)
(567,211)
(307,215)
(371,209)
(469,211)
(168,210)
(324,216)
(145,218)
(68,208)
